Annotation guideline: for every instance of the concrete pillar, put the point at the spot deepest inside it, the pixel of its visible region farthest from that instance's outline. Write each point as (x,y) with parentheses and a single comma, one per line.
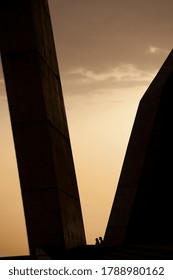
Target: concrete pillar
(142,209)
(47,176)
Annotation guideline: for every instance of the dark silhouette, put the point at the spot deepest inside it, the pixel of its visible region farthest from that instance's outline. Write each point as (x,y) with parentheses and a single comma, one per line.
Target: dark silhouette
(142,209)
(97,242)
(39,127)
(101,240)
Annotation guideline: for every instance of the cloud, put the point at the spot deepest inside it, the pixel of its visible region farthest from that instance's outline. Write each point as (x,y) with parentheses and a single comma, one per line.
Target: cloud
(156,50)
(122,73)
(153,50)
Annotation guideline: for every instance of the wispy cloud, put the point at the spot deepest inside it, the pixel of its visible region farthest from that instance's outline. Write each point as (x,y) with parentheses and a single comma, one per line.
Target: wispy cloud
(121,73)
(156,50)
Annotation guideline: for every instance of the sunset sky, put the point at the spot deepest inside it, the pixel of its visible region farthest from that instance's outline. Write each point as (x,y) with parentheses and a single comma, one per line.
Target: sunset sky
(108,53)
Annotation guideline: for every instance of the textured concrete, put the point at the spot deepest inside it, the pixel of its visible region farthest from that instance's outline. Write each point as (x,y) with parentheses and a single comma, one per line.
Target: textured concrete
(142,210)
(42,144)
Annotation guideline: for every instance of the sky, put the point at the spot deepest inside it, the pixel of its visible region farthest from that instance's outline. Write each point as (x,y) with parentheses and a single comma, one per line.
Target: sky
(108,53)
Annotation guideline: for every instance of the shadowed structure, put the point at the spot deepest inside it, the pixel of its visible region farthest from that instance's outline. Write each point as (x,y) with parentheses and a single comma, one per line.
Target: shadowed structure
(46,170)
(142,210)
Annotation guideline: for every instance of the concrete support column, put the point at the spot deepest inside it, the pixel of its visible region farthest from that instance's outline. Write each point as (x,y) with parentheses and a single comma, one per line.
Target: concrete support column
(47,176)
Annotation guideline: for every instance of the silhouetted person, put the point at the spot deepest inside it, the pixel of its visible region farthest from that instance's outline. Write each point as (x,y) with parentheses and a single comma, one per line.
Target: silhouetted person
(97,242)
(101,240)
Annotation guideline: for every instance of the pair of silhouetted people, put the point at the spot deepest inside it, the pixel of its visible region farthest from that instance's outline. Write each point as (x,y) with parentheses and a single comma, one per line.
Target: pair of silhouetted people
(99,241)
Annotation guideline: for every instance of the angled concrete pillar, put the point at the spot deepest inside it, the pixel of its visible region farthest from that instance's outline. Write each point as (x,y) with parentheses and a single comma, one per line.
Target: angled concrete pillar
(142,210)
(47,176)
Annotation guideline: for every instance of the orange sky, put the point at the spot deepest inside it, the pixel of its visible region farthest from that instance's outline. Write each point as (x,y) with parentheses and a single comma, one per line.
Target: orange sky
(13,239)
(108,52)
